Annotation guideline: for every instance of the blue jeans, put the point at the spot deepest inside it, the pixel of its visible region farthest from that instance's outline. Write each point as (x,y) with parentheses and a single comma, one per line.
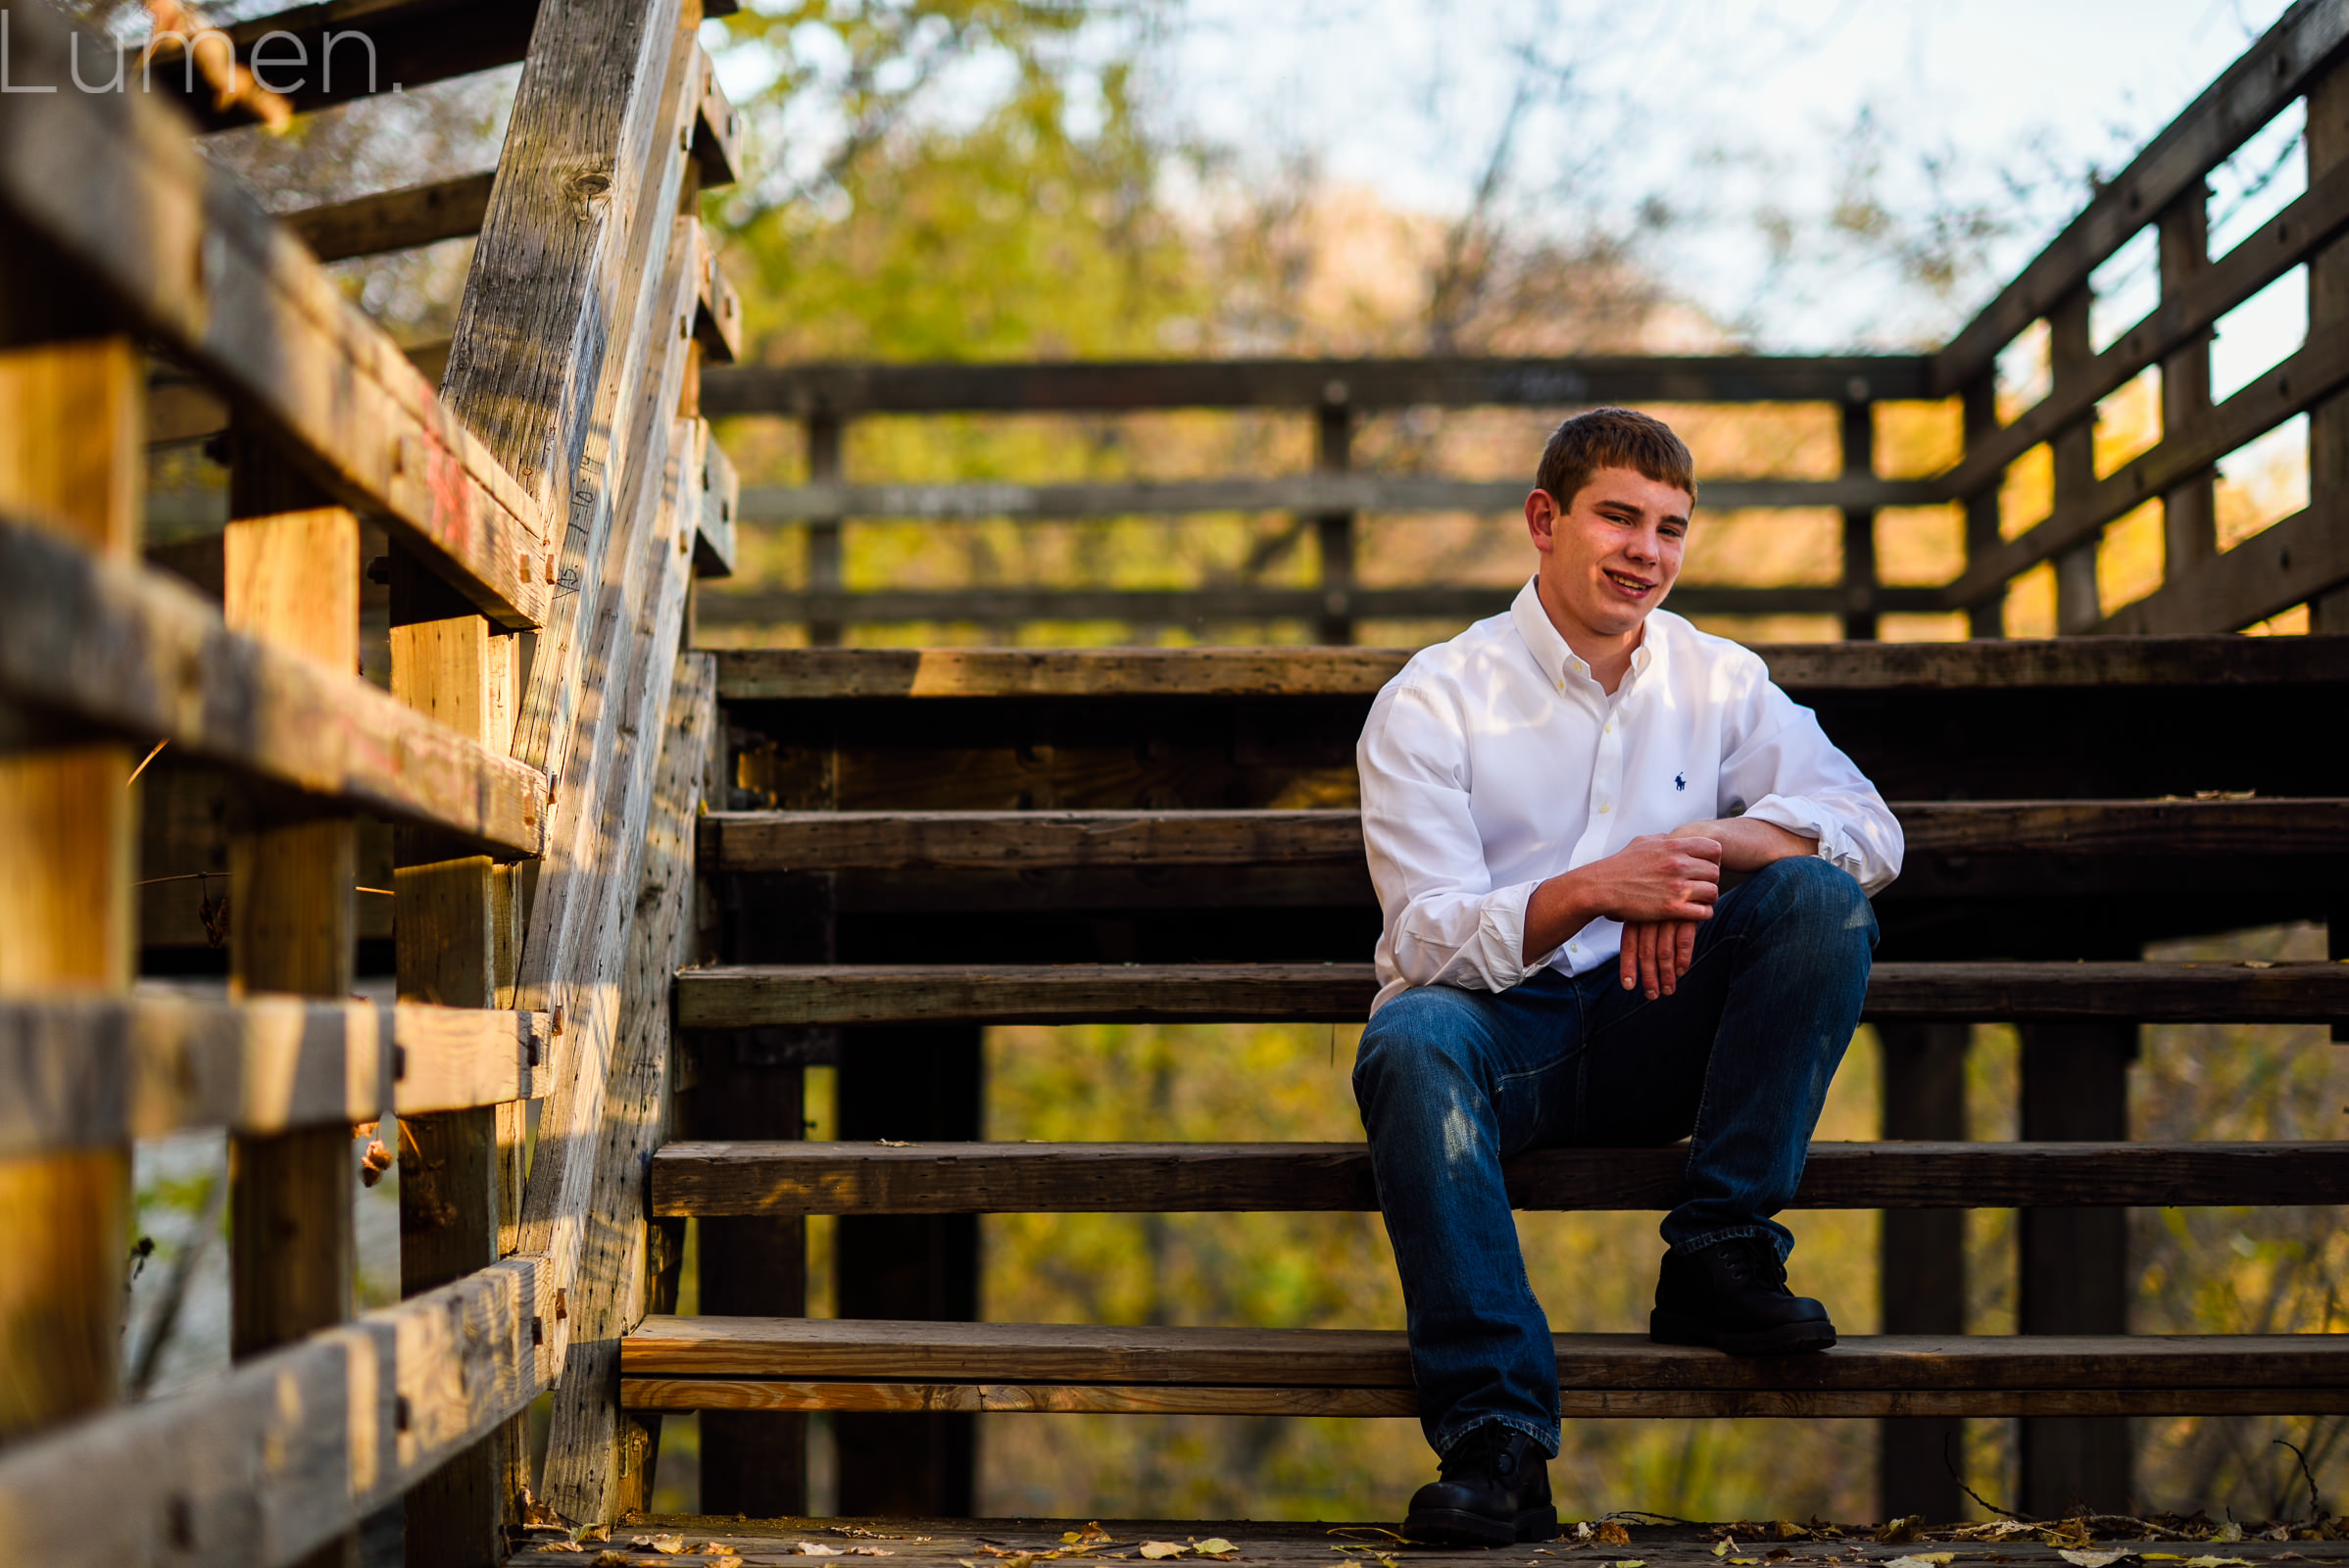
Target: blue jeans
(1738,1060)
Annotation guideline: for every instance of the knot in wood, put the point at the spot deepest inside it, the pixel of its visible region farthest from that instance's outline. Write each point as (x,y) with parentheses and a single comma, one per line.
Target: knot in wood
(590,184)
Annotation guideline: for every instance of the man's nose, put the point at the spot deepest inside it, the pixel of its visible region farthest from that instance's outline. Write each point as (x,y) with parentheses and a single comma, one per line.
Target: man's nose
(1644,547)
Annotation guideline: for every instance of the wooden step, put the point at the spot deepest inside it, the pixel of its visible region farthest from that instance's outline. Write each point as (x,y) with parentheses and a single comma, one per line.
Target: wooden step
(839,841)
(760,995)
(805,673)
(954,1178)
(711,1363)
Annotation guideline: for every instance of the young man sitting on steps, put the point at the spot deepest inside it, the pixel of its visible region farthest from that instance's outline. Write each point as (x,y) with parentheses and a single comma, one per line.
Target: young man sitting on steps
(1550,800)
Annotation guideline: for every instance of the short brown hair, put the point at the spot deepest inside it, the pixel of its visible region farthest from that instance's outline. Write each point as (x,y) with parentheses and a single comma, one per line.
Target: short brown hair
(1613,438)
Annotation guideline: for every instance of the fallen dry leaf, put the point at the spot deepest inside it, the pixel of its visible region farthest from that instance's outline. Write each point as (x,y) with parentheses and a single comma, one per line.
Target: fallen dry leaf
(666,1545)
(1092,1534)
(1923,1559)
(1632,1562)
(869,1551)
(816,1548)
(1896,1530)
(2217,1562)
(1612,1533)
(1787,1530)
(2093,1560)
(1217,1548)
(2229,1532)
(1157,1550)
(610,1560)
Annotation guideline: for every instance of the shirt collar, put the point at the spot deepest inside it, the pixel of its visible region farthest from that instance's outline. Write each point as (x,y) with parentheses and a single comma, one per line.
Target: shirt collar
(1557,661)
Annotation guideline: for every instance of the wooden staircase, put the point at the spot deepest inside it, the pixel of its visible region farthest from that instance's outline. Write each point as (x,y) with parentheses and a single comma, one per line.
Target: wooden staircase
(974,823)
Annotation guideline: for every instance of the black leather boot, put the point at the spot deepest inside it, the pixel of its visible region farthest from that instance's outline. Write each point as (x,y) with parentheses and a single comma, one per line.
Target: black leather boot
(1732,1294)
(1494,1491)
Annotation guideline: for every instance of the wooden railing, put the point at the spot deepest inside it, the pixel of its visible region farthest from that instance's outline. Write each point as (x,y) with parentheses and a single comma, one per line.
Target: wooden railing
(539,753)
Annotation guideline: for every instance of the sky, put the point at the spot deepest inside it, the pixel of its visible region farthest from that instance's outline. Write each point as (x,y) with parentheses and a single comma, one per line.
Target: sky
(1720,111)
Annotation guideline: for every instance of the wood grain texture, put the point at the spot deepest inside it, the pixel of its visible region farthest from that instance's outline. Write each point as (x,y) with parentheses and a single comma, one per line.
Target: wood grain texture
(1109,1398)
(394,219)
(113,183)
(717,127)
(136,653)
(805,1178)
(2296,559)
(944,388)
(807,674)
(1301,492)
(722,492)
(2245,96)
(717,313)
(824,841)
(851,1350)
(762,996)
(587,1470)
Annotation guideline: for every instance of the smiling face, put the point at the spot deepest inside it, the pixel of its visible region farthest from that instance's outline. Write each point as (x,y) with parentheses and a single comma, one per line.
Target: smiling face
(1611,555)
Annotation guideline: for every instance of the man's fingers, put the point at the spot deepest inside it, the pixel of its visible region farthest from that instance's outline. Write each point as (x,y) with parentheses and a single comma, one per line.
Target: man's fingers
(1703,849)
(1652,973)
(1684,942)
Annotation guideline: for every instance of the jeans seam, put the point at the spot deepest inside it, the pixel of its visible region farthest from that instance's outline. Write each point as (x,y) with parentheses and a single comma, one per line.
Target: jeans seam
(1546,1439)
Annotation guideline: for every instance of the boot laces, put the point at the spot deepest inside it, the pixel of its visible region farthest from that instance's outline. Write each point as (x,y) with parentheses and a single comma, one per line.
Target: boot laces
(1486,1451)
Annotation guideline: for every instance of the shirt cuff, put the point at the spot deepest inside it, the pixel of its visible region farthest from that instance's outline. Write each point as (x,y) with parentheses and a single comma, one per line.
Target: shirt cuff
(1804,816)
(1501,933)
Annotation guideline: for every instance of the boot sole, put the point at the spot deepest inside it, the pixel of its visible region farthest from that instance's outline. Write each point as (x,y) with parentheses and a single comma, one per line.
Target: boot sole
(1787,1339)
(1457,1527)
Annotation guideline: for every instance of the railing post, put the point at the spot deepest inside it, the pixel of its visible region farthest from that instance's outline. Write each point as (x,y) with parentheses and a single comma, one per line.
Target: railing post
(1332,453)
(2328,144)
(1986,617)
(71,459)
(2190,511)
(460,1171)
(1921,1263)
(291,578)
(1859,522)
(823,535)
(2075,452)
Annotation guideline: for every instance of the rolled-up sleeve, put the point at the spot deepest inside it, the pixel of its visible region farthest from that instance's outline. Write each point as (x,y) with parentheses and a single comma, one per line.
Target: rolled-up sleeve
(1783,771)
(1448,924)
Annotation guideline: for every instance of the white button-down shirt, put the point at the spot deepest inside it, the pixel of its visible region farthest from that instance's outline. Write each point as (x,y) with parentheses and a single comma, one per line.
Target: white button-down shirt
(1496,761)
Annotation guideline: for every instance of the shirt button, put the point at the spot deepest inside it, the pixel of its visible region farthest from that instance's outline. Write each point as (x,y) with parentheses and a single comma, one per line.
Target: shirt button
(1603,810)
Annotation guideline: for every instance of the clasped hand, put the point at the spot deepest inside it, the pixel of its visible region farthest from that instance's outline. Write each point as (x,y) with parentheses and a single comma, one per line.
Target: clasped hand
(1664,885)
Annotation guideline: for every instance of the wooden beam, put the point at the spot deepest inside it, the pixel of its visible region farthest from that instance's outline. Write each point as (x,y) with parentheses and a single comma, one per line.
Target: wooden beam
(1028,1178)
(2297,560)
(594,1463)
(717,125)
(765,995)
(718,315)
(550,349)
(394,219)
(2184,319)
(88,1072)
(172,670)
(1057,1352)
(344,50)
(110,184)
(2246,96)
(1189,606)
(721,503)
(802,674)
(68,417)
(1299,493)
(181,409)
(825,841)
(2300,382)
(843,390)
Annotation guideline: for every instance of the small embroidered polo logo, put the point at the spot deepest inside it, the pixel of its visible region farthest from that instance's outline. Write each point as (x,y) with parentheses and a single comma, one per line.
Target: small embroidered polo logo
(1679,781)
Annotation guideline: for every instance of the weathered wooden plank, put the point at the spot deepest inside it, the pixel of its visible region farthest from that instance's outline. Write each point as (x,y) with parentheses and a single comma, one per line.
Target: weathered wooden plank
(286,1452)
(721,504)
(827,840)
(851,1350)
(804,1178)
(717,125)
(181,409)
(1301,492)
(69,458)
(940,388)
(136,653)
(587,1459)
(817,674)
(1113,1399)
(2300,382)
(2246,96)
(1189,606)
(2299,558)
(717,317)
(394,219)
(762,996)
(344,50)
(111,185)
(2183,315)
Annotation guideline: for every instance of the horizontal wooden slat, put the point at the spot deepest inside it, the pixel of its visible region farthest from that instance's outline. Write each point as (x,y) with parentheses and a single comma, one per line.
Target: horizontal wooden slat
(721,502)
(2304,555)
(395,219)
(995,607)
(809,1349)
(832,841)
(718,315)
(1301,492)
(84,1072)
(136,653)
(2286,240)
(941,388)
(2299,383)
(110,186)
(950,1178)
(2246,96)
(758,995)
(717,125)
(814,674)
